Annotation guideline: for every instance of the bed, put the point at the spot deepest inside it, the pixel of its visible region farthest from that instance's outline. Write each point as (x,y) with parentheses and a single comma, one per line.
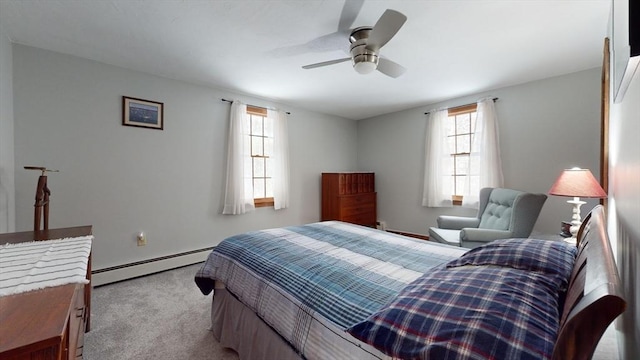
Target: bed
(333,290)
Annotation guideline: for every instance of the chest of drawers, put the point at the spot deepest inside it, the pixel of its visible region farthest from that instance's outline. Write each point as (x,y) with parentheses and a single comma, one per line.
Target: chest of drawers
(349,197)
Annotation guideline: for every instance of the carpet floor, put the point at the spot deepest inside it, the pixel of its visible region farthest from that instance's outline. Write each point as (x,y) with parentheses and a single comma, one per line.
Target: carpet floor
(163,316)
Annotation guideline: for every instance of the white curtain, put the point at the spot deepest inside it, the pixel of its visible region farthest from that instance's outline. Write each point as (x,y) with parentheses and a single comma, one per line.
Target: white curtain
(485,165)
(280,159)
(485,162)
(437,189)
(238,198)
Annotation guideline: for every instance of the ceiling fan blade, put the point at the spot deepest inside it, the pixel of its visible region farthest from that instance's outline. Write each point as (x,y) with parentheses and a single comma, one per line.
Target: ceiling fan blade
(350,12)
(325,63)
(330,42)
(386,27)
(337,40)
(390,68)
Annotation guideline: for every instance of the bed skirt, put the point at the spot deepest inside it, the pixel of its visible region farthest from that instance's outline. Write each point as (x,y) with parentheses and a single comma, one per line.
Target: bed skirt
(236,327)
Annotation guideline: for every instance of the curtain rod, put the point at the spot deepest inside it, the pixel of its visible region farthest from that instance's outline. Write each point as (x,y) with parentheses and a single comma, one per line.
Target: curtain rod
(261,107)
(494,100)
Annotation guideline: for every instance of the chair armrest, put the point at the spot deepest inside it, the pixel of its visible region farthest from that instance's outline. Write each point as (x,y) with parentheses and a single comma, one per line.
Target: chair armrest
(457,222)
(485,235)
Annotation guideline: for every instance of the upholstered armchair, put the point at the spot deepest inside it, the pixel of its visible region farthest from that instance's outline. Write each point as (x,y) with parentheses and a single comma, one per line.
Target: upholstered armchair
(502,214)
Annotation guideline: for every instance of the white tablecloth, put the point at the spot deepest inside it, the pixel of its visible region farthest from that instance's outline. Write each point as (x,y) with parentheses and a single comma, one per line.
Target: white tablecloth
(39,264)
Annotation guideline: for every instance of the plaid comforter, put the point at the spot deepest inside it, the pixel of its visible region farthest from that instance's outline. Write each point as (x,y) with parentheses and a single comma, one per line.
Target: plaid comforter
(498,301)
(328,275)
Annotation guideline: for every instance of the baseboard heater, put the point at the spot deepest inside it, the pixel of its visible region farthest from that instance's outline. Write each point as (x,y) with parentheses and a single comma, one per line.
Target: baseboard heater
(146,267)
(409,234)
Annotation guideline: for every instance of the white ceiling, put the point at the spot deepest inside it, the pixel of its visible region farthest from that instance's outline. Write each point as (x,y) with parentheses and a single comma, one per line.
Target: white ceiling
(450,48)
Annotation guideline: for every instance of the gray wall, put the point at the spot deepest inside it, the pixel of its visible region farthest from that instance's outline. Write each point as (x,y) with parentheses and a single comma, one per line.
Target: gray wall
(7,187)
(168,183)
(624,210)
(545,126)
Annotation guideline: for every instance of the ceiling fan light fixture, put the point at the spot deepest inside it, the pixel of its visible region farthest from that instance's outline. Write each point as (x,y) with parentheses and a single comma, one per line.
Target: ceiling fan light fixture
(365,63)
(365,67)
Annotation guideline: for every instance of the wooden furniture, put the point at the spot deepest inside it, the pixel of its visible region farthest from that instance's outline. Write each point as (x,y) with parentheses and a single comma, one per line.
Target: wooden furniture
(41,206)
(48,323)
(595,296)
(349,197)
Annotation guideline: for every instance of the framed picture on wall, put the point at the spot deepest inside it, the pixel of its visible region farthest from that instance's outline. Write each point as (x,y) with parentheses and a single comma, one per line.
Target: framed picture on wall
(142,113)
(625,52)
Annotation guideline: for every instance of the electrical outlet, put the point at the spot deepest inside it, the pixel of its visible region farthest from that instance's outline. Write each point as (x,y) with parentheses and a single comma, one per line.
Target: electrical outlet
(142,239)
(381,225)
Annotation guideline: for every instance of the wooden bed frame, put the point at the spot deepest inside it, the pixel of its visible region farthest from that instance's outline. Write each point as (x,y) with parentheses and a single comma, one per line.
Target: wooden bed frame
(594,299)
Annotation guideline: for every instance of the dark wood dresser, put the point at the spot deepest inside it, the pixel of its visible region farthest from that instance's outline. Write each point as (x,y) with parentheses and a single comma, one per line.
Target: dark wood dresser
(349,197)
(48,323)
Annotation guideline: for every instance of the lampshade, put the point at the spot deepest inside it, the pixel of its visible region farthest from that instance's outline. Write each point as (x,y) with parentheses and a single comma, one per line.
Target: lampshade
(577,182)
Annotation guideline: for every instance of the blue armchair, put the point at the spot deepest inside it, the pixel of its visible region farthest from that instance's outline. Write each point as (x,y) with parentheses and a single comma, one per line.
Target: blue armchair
(502,214)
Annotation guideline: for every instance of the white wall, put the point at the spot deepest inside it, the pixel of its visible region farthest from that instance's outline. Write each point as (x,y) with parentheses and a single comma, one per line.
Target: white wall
(624,210)
(539,123)
(624,192)
(7,187)
(168,183)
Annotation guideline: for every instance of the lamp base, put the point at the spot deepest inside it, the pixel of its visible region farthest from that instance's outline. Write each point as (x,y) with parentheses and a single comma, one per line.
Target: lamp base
(576,220)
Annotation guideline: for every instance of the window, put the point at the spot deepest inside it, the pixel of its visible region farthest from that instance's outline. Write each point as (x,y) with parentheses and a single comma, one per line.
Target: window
(461,126)
(462,155)
(261,135)
(257,159)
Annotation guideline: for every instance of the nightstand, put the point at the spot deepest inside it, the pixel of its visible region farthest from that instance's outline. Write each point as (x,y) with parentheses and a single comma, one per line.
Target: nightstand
(553,237)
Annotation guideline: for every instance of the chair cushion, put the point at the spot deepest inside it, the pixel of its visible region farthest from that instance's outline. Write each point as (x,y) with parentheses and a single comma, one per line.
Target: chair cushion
(445,236)
(497,214)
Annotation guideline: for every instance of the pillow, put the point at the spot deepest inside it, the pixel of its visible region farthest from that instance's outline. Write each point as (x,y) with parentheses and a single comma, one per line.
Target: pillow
(550,257)
(480,312)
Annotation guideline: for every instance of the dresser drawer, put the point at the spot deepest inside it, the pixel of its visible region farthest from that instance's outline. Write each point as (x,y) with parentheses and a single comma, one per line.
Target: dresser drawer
(355,201)
(367,219)
(358,209)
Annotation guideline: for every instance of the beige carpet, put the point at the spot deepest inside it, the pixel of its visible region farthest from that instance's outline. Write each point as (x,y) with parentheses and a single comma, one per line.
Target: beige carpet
(161,317)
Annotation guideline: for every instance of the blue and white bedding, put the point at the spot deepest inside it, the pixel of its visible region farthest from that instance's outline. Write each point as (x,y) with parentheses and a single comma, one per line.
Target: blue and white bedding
(336,290)
(311,282)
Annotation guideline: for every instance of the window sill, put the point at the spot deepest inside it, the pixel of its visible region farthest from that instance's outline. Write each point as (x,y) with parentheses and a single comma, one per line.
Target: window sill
(456,200)
(265,202)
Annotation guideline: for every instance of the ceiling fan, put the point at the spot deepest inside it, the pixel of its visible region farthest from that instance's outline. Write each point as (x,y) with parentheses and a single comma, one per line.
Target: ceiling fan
(366,42)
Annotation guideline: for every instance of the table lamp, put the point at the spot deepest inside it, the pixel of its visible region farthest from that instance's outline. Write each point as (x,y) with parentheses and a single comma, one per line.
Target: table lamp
(577,183)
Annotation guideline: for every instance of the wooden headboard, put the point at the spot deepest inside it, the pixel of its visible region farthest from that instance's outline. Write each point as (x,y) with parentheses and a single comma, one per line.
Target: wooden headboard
(594,298)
